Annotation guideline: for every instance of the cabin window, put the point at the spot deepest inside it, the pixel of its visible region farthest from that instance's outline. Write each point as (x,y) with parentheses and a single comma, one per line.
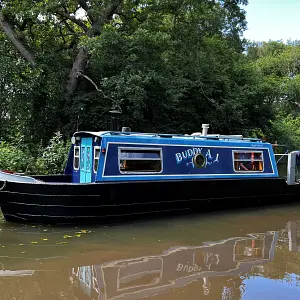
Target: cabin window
(248,161)
(76,157)
(96,158)
(140,160)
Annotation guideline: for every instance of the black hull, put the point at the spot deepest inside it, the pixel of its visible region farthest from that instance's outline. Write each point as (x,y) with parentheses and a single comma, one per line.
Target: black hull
(66,203)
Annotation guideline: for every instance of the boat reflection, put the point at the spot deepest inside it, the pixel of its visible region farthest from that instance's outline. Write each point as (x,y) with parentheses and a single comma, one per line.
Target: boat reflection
(149,275)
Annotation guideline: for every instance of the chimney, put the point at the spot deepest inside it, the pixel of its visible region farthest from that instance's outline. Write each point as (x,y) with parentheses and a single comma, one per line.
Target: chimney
(115,120)
(205,129)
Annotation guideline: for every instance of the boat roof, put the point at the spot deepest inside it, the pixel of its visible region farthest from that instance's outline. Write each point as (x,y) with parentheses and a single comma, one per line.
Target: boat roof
(166,135)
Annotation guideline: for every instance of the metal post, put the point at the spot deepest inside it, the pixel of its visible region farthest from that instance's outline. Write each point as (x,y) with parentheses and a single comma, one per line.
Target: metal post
(291,168)
(292,234)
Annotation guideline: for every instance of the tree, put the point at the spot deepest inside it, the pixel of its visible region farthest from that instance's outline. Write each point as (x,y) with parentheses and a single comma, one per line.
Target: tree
(158,60)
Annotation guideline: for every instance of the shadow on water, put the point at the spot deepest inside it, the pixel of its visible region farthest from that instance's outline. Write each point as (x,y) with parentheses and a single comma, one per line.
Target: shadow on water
(251,253)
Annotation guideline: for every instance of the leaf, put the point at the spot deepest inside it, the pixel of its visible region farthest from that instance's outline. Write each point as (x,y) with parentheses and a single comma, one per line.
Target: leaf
(61,243)
(67,236)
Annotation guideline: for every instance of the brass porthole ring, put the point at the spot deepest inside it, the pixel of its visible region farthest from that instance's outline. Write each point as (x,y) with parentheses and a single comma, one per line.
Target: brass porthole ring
(199,160)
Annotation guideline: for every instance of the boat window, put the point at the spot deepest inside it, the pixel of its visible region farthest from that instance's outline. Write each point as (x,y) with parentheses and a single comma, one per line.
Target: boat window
(96,158)
(248,161)
(76,157)
(140,160)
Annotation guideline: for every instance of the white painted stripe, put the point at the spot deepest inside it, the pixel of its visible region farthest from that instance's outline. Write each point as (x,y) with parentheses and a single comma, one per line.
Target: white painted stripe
(180,175)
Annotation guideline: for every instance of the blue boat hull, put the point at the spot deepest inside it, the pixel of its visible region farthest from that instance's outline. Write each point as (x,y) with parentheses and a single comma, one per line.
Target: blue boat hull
(57,203)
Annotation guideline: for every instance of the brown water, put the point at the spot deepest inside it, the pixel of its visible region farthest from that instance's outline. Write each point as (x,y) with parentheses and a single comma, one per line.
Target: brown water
(249,254)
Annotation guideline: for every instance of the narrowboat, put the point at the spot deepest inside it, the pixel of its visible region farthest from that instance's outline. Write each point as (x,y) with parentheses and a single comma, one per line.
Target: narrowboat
(114,174)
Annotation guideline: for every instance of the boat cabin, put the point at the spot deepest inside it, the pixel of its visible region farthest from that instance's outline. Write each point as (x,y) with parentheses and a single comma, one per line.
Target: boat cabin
(125,156)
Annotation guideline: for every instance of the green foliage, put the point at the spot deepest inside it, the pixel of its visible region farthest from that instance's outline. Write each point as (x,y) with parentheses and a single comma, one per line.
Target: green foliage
(286,130)
(170,66)
(49,160)
(278,68)
(53,158)
(13,158)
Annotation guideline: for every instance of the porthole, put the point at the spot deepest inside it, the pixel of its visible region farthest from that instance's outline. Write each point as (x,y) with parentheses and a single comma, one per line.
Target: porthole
(199,160)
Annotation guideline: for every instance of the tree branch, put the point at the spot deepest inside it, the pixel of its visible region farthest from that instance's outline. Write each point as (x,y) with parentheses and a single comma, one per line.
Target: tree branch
(83,4)
(110,10)
(73,19)
(80,61)
(79,65)
(68,26)
(62,35)
(116,103)
(298,104)
(11,35)
(94,84)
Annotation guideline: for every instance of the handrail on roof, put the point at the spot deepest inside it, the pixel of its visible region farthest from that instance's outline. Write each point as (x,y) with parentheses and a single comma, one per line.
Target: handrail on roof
(170,135)
(165,135)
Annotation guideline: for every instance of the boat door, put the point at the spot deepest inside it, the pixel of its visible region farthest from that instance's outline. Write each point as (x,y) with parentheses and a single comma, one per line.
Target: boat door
(86,160)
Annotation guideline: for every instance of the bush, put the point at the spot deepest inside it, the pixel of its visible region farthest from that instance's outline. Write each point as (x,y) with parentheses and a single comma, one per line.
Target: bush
(53,158)
(49,160)
(286,130)
(13,158)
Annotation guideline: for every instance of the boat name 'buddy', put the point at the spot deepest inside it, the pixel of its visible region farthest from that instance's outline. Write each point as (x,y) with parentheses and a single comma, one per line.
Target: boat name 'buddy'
(184,155)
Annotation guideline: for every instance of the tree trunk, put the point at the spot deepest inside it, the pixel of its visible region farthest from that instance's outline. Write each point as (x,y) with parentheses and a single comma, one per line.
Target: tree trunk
(11,35)
(78,66)
(82,56)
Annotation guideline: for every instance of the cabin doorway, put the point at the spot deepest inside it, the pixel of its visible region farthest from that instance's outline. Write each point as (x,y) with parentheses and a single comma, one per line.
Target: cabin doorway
(86,160)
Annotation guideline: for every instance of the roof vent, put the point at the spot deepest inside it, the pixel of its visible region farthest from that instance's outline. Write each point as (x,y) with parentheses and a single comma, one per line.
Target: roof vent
(126,129)
(196,134)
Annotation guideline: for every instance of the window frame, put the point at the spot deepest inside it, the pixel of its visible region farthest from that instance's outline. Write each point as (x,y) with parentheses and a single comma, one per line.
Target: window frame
(74,156)
(88,162)
(245,152)
(94,158)
(120,149)
(82,158)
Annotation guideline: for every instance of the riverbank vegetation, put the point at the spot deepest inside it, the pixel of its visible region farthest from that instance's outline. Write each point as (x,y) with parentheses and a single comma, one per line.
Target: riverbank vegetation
(169,65)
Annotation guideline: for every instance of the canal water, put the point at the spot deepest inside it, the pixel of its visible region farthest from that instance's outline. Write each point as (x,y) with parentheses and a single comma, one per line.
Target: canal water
(243,254)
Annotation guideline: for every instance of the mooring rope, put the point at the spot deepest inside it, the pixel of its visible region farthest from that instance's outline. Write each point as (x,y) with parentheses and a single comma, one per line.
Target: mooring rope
(3,186)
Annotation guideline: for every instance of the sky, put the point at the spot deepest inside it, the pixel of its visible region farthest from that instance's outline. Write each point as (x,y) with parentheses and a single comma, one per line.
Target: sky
(273,20)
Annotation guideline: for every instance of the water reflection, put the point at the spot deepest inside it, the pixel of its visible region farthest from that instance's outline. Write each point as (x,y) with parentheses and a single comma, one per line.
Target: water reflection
(146,276)
(212,270)
(149,275)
